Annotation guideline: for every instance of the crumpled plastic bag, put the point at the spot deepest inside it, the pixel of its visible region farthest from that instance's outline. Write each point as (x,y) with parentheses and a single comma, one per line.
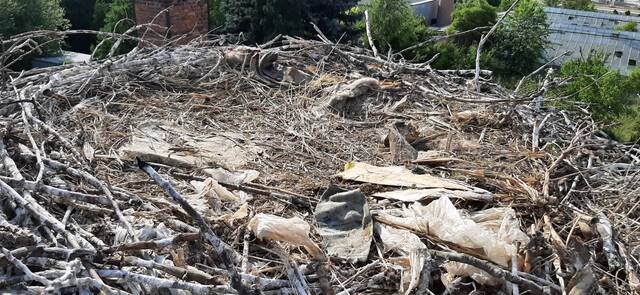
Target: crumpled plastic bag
(291,230)
(492,232)
(232,177)
(407,244)
(210,188)
(345,224)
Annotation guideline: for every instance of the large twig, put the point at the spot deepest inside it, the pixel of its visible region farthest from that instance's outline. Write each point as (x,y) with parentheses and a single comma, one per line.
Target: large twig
(226,256)
(495,271)
(542,67)
(164,283)
(95,182)
(370,34)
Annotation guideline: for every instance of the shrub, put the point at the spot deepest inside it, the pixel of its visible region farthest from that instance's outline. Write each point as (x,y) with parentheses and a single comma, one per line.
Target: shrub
(30,15)
(394,25)
(119,18)
(261,20)
(472,14)
(216,14)
(628,27)
(520,41)
(613,98)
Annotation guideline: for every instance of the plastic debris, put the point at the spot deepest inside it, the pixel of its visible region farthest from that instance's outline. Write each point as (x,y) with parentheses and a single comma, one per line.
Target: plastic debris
(174,146)
(397,176)
(407,244)
(415,195)
(232,177)
(345,224)
(491,232)
(210,188)
(291,230)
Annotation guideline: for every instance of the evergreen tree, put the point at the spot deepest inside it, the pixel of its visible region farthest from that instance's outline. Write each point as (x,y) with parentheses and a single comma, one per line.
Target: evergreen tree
(472,14)
(394,25)
(260,20)
(216,14)
(30,15)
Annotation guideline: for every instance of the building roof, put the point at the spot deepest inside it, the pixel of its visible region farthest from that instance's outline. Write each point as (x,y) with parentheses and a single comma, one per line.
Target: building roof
(583,31)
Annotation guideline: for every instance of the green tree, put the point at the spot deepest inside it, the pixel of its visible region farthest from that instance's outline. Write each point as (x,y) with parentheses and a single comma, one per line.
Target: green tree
(118,19)
(586,5)
(453,56)
(30,15)
(628,27)
(332,17)
(472,14)
(216,14)
(520,41)
(261,20)
(100,9)
(394,25)
(612,97)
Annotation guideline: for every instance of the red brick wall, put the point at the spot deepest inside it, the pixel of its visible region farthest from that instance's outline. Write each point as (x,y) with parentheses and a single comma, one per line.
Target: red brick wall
(188,18)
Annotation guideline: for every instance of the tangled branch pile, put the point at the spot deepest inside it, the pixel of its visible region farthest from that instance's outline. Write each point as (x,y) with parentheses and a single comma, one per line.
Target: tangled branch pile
(217,168)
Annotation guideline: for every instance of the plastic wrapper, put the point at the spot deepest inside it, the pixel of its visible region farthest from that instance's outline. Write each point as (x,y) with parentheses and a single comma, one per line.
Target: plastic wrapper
(407,244)
(493,232)
(291,230)
(345,224)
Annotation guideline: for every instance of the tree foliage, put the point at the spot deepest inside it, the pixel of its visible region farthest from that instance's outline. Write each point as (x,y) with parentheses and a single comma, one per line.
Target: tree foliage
(610,95)
(628,27)
(30,15)
(216,14)
(520,41)
(261,20)
(586,5)
(472,14)
(119,18)
(394,25)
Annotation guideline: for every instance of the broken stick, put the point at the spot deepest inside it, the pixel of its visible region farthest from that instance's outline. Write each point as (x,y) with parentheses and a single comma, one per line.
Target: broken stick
(223,252)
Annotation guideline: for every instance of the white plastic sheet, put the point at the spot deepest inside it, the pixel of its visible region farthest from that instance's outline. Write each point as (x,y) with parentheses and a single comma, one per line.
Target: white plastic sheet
(291,230)
(492,231)
(407,244)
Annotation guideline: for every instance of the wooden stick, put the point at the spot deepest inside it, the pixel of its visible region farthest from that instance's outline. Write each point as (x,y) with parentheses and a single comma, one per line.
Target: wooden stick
(223,252)
(192,274)
(369,33)
(154,244)
(39,213)
(164,283)
(95,182)
(494,270)
(29,276)
(603,227)
(54,191)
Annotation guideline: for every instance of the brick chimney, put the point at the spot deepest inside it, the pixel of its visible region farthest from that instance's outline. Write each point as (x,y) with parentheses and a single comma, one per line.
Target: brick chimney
(188,18)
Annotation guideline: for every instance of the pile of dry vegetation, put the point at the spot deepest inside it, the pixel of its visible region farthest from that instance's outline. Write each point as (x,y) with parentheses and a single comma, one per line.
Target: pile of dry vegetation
(305,167)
